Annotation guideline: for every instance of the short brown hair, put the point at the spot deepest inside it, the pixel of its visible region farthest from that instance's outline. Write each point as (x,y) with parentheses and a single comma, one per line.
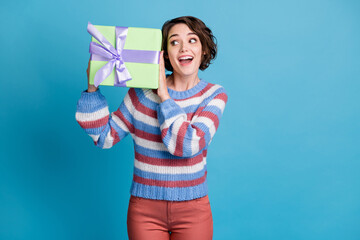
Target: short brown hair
(207,39)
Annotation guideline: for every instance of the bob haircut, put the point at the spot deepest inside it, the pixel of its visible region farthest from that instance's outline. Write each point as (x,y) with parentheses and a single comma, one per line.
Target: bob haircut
(207,39)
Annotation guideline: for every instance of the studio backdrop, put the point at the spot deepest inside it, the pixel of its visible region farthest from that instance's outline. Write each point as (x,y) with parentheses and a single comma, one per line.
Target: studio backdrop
(283,164)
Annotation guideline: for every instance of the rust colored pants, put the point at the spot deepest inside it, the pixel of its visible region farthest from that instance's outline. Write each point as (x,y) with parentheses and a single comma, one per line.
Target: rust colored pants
(149,219)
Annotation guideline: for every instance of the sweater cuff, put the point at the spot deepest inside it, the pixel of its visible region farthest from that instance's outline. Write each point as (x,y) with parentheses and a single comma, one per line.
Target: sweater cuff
(90,102)
(168,109)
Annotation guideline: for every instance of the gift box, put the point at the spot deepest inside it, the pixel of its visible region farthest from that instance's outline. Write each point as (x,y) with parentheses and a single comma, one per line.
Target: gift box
(124,56)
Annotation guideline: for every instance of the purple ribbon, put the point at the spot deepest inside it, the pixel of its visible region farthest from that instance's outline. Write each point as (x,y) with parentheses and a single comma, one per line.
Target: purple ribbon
(116,57)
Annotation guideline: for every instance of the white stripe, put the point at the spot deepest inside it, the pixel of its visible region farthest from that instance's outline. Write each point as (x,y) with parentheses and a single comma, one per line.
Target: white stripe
(169,121)
(212,131)
(195,143)
(173,136)
(159,146)
(108,140)
(139,116)
(196,139)
(217,103)
(94,137)
(207,121)
(148,93)
(85,117)
(169,170)
(119,122)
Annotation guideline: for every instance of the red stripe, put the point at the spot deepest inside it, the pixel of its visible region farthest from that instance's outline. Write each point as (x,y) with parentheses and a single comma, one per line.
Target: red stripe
(140,107)
(202,143)
(115,135)
(171,184)
(119,114)
(169,162)
(164,132)
(212,116)
(190,116)
(222,96)
(148,136)
(199,110)
(180,139)
(204,153)
(94,124)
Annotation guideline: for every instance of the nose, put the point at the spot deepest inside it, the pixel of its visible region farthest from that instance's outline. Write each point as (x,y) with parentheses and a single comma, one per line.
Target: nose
(184,47)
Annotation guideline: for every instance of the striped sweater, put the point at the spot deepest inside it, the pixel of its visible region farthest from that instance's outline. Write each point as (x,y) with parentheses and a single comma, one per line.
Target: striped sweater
(170,138)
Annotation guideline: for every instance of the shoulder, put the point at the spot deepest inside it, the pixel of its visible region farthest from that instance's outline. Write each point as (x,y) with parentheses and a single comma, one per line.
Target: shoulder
(213,91)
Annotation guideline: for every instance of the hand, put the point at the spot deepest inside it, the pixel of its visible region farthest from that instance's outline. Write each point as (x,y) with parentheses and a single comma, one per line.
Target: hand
(162,91)
(91,87)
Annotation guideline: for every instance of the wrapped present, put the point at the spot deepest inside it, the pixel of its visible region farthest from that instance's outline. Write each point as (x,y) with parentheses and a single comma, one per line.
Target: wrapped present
(124,56)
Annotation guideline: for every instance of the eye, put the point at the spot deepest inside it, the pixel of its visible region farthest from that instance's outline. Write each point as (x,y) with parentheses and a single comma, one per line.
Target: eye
(173,43)
(193,40)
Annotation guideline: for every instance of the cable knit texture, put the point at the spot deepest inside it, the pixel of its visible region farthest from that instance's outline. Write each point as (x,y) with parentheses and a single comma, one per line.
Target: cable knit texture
(170,138)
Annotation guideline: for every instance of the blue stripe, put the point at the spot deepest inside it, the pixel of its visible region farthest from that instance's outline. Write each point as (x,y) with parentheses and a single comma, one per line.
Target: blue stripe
(170,108)
(167,177)
(146,127)
(157,153)
(154,153)
(138,124)
(94,131)
(214,109)
(145,100)
(191,108)
(119,130)
(125,112)
(90,108)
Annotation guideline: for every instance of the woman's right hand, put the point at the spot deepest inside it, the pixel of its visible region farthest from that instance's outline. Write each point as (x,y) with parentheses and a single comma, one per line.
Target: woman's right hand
(91,87)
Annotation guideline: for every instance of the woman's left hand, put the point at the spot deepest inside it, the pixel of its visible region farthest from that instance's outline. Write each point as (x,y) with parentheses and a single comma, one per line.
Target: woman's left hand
(162,91)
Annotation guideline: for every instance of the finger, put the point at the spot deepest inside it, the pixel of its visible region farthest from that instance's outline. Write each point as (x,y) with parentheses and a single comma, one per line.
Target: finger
(161,59)
(162,63)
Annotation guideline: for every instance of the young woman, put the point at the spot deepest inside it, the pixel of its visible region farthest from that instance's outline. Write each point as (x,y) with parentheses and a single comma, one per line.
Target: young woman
(172,128)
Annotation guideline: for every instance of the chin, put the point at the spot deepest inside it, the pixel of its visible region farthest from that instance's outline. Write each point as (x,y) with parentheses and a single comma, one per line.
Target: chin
(187,72)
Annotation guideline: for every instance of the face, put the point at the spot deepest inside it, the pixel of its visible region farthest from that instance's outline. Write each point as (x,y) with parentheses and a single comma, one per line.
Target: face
(184,50)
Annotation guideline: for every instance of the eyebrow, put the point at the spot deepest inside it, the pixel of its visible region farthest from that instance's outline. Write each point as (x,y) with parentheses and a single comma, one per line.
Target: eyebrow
(174,35)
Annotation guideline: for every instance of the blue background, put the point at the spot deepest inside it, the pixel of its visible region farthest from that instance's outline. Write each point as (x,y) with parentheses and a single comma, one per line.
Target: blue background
(284,163)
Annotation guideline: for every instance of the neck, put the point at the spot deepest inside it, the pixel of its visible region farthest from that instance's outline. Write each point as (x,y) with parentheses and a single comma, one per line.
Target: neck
(182,83)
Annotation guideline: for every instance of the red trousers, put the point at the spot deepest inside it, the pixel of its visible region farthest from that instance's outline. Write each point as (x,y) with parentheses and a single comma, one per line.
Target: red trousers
(149,219)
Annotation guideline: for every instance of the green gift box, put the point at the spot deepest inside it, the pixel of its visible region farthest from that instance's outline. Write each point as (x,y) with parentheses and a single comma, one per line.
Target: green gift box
(136,57)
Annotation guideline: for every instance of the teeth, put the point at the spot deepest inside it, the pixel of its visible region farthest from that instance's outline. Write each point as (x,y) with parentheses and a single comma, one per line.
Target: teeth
(185,58)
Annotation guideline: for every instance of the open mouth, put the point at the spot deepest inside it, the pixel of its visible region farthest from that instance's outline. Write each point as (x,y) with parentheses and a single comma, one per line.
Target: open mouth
(185,60)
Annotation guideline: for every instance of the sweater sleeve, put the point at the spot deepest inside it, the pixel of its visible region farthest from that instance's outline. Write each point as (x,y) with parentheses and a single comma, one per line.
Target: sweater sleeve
(105,129)
(185,138)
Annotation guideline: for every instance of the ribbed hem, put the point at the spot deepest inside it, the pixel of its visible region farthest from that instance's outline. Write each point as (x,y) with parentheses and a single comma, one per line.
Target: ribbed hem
(90,102)
(188,93)
(169,194)
(92,96)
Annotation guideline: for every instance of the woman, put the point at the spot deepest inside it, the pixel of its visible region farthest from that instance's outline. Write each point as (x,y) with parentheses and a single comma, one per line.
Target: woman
(172,128)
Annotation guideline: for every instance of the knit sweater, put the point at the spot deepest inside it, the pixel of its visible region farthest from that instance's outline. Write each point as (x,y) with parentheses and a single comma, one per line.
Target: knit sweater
(171,138)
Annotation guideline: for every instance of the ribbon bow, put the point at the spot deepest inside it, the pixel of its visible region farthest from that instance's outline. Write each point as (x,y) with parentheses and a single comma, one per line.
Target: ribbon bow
(105,51)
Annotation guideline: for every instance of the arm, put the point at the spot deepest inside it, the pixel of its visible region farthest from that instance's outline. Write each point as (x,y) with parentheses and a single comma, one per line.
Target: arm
(185,138)
(93,116)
